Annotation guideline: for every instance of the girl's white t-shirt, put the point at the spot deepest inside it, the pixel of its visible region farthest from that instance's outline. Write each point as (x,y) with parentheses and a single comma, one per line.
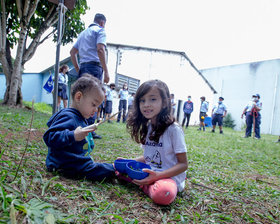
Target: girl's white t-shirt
(162,155)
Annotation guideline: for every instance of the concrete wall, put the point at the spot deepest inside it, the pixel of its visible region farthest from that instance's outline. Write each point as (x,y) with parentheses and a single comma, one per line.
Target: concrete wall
(31,86)
(237,84)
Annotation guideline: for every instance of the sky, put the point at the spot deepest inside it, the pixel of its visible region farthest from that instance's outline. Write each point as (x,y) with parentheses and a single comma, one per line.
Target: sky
(212,33)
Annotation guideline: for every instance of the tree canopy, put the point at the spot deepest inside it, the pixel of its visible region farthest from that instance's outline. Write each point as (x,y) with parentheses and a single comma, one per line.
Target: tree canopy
(25,24)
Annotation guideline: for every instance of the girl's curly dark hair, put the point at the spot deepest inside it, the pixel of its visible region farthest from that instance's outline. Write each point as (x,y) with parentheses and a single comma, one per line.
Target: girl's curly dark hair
(137,124)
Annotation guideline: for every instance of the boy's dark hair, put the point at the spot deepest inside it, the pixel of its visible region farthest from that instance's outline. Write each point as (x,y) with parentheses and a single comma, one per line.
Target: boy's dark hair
(85,83)
(112,85)
(99,18)
(137,124)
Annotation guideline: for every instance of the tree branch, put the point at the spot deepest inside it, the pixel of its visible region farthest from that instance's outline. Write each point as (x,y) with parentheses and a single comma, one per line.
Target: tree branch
(3,27)
(32,10)
(28,54)
(19,8)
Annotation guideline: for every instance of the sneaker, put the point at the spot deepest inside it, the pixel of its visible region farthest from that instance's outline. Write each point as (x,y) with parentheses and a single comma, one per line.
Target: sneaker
(109,121)
(213,131)
(95,136)
(199,129)
(278,141)
(256,138)
(221,132)
(203,129)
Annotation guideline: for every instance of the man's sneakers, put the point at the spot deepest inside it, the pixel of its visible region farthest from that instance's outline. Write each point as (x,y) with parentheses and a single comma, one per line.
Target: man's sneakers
(95,136)
(221,132)
(213,131)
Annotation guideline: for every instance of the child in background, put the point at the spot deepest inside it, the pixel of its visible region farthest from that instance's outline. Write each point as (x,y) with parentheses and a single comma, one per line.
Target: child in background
(152,124)
(69,145)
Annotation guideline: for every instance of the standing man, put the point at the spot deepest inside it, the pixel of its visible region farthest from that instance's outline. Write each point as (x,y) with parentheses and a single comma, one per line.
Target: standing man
(188,109)
(90,46)
(219,111)
(202,114)
(253,116)
(123,95)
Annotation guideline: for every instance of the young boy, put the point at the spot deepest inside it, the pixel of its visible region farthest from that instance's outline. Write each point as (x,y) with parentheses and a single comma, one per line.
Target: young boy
(69,145)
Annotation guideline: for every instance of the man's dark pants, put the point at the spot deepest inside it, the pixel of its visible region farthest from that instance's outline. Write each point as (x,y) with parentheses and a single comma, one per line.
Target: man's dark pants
(249,123)
(96,71)
(122,106)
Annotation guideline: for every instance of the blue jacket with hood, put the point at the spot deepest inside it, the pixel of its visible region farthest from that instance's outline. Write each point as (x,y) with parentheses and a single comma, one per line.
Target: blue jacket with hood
(67,155)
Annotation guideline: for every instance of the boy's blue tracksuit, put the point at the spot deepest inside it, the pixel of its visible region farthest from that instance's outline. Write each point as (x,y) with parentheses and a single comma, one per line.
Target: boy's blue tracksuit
(70,157)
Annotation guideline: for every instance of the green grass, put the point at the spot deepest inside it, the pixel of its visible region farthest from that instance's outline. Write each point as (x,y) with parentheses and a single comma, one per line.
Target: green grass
(229,180)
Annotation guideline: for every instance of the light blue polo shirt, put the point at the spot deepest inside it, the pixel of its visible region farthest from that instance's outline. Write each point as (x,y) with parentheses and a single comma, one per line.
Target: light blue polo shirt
(219,108)
(123,94)
(249,106)
(109,95)
(62,79)
(87,43)
(204,107)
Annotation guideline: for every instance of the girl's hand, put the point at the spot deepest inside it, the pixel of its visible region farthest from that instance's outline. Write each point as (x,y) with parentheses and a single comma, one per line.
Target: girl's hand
(80,133)
(153,176)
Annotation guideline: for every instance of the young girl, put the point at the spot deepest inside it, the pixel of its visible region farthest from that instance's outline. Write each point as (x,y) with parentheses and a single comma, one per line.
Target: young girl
(62,86)
(69,145)
(123,95)
(152,124)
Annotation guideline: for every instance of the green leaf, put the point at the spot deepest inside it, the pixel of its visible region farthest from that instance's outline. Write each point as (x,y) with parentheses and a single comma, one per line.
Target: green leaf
(47,184)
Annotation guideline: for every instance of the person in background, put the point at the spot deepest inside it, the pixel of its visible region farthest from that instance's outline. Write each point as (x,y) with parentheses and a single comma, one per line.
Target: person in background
(109,101)
(188,109)
(253,116)
(62,86)
(219,111)
(173,104)
(90,46)
(152,125)
(91,49)
(69,143)
(202,114)
(130,104)
(123,95)
(101,110)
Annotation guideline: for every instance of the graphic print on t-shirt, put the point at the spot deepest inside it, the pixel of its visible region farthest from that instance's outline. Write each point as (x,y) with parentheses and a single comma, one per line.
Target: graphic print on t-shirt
(156,159)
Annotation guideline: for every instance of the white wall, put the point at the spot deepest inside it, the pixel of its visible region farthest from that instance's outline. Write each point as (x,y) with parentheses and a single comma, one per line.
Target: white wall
(237,84)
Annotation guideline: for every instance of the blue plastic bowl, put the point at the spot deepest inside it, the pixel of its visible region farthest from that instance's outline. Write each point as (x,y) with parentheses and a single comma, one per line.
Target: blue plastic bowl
(134,170)
(120,164)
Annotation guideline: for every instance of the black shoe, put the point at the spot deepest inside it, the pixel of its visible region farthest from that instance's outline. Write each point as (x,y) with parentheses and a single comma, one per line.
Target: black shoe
(109,121)
(95,136)
(213,130)
(221,132)
(199,129)
(278,141)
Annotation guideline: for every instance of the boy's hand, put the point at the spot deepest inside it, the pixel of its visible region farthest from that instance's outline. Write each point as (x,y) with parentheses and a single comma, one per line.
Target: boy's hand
(153,176)
(80,133)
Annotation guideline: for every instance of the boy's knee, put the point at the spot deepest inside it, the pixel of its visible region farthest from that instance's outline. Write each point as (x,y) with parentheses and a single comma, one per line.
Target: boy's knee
(163,192)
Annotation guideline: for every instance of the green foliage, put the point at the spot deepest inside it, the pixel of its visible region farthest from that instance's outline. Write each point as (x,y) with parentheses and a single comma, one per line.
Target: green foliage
(39,107)
(228,121)
(73,23)
(229,180)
